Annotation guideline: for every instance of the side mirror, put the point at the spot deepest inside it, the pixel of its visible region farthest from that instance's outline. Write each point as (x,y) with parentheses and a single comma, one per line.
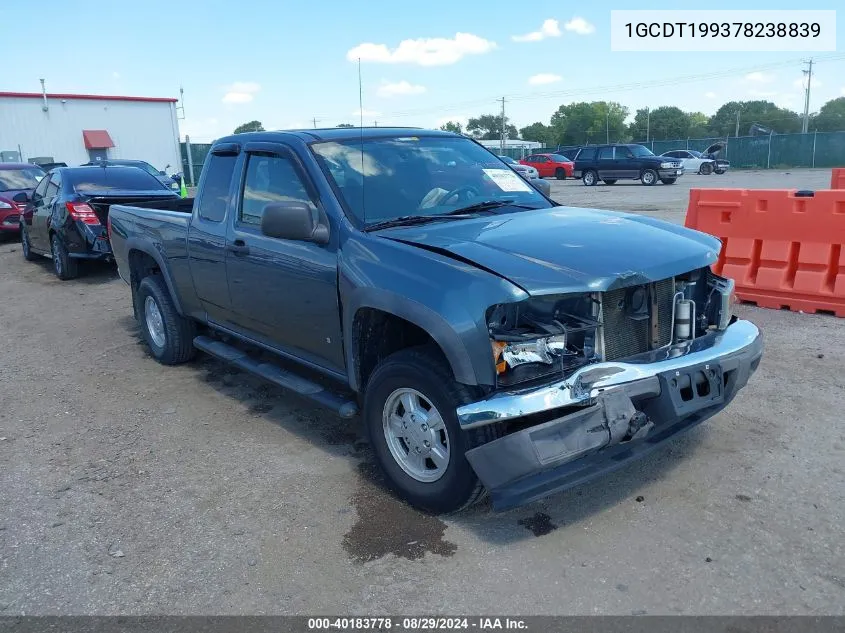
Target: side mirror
(292,221)
(23,196)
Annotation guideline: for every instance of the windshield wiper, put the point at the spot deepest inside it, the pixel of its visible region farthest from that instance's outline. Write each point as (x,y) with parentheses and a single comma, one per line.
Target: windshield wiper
(461,213)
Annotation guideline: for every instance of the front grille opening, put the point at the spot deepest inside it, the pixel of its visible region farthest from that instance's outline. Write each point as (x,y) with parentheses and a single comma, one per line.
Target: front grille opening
(702,385)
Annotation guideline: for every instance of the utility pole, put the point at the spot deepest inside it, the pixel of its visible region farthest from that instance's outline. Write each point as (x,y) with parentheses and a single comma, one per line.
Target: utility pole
(314,120)
(647,123)
(736,132)
(607,125)
(809,74)
(503,126)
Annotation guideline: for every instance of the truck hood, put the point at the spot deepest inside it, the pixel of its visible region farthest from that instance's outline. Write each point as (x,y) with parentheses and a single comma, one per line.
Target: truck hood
(566,249)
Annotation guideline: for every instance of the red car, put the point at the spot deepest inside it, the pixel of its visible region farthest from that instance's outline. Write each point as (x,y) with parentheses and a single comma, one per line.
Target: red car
(17,182)
(549,165)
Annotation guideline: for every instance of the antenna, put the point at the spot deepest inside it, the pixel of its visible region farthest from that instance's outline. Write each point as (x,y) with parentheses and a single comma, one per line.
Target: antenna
(180,109)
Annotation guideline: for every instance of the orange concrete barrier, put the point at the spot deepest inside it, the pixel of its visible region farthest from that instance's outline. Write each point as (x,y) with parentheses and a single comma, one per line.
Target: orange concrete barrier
(837,178)
(783,250)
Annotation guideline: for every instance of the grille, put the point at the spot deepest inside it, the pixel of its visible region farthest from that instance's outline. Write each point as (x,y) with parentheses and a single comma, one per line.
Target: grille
(624,336)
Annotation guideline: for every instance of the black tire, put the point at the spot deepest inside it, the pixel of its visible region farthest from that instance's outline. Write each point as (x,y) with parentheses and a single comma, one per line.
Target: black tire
(590,178)
(560,173)
(668,181)
(26,247)
(64,266)
(706,169)
(422,369)
(648,177)
(719,172)
(610,181)
(179,332)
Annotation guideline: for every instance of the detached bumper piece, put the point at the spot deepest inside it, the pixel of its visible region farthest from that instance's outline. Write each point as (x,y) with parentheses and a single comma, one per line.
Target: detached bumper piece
(616,426)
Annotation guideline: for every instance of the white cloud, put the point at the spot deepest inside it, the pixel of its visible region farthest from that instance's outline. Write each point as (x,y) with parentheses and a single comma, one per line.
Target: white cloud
(550,28)
(241,92)
(365,113)
(579,26)
(759,78)
(544,78)
(710,95)
(403,87)
(424,51)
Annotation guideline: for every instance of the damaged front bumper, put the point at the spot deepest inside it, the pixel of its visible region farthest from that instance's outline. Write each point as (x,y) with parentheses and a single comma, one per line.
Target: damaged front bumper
(626,410)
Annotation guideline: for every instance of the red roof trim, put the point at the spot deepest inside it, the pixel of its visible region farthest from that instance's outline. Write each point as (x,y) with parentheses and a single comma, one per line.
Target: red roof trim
(38,95)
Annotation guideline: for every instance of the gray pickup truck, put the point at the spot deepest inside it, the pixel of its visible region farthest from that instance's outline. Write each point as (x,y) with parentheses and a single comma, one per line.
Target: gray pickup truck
(489,339)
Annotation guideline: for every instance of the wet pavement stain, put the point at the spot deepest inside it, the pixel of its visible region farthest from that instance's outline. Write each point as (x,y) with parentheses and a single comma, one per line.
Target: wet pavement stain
(386,525)
(539,525)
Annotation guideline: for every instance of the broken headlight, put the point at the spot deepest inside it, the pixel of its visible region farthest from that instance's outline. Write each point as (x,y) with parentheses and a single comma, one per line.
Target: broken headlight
(542,336)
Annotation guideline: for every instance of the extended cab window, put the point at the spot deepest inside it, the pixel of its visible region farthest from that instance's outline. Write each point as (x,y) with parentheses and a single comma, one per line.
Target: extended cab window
(606,153)
(215,191)
(623,152)
(270,179)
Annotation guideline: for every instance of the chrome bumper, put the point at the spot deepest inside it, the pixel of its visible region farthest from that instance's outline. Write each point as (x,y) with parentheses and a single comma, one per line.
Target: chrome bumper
(740,344)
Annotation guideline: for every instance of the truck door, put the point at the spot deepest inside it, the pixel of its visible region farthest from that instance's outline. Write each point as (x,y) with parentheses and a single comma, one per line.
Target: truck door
(207,232)
(627,165)
(605,163)
(283,290)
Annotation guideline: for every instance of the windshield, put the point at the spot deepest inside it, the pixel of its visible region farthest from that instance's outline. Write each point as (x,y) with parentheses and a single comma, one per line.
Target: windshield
(381,179)
(508,160)
(695,153)
(11,179)
(96,179)
(639,150)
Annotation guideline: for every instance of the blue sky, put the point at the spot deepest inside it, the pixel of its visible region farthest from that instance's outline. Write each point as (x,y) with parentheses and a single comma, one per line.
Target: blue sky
(285,63)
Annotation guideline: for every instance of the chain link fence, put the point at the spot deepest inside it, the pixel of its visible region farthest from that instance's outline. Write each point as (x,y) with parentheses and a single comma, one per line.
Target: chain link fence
(775,151)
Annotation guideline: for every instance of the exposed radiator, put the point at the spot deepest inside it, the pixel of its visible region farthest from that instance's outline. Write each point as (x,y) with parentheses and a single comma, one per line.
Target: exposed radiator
(625,336)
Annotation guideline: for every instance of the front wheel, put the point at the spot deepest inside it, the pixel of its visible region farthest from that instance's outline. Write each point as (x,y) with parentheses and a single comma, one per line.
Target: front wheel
(648,177)
(590,178)
(560,173)
(706,169)
(719,172)
(409,413)
(26,247)
(668,181)
(169,335)
(64,265)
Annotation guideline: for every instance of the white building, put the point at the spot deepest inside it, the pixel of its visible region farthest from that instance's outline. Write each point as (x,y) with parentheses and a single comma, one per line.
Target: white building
(75,129)
(525,147)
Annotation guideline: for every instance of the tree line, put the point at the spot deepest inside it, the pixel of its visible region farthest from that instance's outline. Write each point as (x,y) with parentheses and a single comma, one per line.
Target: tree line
(600,121)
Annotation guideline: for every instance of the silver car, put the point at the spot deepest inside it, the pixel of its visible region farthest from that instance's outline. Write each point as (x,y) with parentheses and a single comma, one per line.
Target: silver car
(526,170)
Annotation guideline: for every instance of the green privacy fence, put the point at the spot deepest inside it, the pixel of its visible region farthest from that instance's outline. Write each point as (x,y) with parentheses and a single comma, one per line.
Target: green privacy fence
(776,151)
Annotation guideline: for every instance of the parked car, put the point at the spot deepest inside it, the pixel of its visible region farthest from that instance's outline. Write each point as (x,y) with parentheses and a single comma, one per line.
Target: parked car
(550,165)
(169,182)
(17,182)
(693,161)
(490,338)
(713,152)
(611,163)
(65,218)
(526,170)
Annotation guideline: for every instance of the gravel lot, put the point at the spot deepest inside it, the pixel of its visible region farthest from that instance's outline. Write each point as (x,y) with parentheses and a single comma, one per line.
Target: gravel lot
(127,487)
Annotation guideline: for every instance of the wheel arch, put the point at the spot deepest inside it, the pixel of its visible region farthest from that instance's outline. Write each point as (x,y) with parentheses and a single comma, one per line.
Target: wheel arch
(144,259)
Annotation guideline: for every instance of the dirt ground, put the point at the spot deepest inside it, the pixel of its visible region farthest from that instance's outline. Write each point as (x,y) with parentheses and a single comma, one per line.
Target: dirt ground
(128,487)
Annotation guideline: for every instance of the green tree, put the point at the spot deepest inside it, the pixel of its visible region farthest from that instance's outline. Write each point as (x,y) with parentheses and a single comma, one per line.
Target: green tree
(538,132)
(765,113)
(489,126)
(698,122)
(452,126)
(593,122)
(345,125)
(665,122)
(831,116)
(252,126)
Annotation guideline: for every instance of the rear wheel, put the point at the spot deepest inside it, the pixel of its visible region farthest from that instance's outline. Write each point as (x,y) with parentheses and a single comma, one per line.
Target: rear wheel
(668,181)
(610,181)
(590,178)
(64,266)
(706,169)
(169,335)
(560,173)
(409,413)
(648,177)
(26,247)
(719,172)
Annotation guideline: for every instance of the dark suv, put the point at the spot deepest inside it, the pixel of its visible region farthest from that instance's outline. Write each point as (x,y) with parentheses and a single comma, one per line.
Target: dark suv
(635,162)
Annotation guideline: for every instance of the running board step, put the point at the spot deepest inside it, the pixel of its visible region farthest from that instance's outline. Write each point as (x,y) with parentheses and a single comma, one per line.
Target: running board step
(278,376)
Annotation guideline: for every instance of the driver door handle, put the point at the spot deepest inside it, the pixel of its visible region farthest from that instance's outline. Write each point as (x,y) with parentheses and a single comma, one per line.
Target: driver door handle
(238,247)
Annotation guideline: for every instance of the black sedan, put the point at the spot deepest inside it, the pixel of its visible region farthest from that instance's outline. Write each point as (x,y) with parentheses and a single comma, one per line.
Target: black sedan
(67,215)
